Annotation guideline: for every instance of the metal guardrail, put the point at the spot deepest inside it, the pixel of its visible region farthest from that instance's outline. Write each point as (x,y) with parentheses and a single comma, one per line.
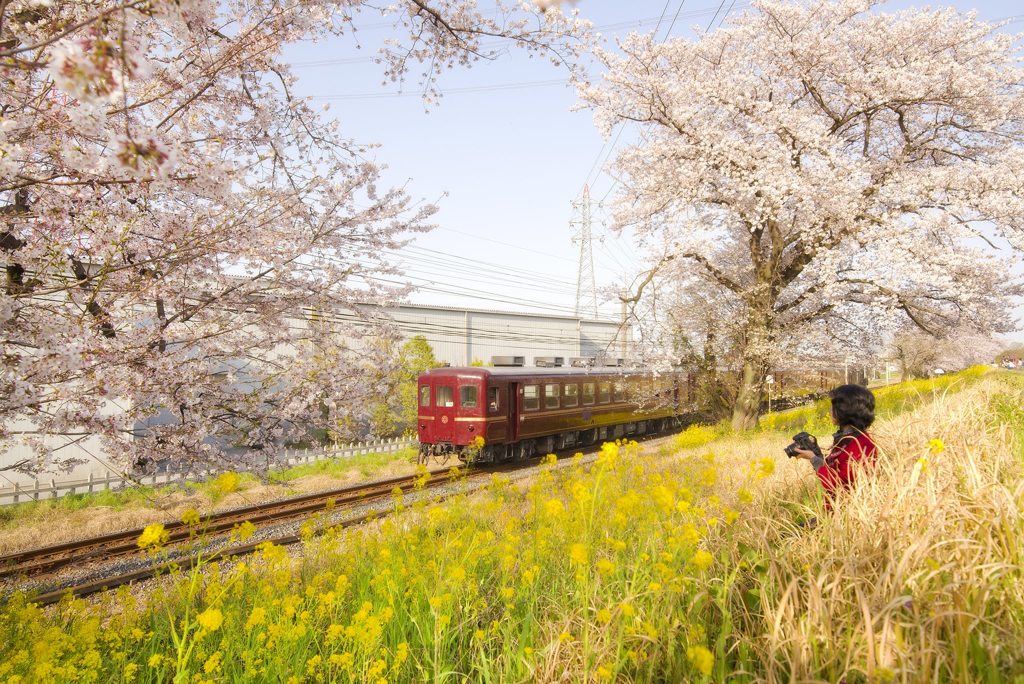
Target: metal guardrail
(54,488)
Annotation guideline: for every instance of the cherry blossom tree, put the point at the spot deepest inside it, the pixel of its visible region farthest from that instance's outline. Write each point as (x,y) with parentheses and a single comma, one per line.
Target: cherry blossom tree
(919,353)
(830,169)
(192,253)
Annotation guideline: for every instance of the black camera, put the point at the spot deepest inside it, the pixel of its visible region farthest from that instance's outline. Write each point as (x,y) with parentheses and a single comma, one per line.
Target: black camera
(806,441)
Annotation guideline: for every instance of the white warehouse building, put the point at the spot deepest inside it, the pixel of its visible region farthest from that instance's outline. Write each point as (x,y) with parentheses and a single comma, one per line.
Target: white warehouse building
(460,336)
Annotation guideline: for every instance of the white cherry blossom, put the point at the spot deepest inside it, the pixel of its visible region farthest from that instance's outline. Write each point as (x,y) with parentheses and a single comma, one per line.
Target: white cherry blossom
(825,171)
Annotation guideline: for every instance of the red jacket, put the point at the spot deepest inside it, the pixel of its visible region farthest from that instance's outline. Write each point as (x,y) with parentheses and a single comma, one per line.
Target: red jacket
(850,452)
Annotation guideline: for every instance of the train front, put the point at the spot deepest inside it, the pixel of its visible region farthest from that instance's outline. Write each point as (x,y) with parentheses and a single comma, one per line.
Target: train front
(452,417)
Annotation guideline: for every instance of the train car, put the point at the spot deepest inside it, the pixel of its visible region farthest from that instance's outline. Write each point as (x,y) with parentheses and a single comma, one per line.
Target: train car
(496,414)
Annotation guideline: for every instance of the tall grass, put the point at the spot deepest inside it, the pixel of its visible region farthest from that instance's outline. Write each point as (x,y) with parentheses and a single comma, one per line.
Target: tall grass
(689,566)
(917,577)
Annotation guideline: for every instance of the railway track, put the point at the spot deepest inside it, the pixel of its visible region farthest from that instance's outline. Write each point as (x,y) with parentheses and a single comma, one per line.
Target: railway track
(52,558)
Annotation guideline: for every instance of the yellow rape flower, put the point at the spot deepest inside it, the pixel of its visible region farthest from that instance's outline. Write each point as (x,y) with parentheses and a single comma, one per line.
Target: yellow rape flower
(765,467)
(190,517)
(553,508)
(245,530)
(578,554)
(401,654)
(258,616)
(604,616)
(936,446)
(702,560)
(210,619)
(342,660)
(153,537)
(701,658)
(212,663)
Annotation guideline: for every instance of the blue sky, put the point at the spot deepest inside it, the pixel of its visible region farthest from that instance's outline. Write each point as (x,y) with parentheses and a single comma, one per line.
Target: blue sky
(504,156)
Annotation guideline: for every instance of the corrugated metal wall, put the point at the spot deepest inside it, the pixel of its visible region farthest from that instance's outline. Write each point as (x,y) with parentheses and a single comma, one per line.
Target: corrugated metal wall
(458,336)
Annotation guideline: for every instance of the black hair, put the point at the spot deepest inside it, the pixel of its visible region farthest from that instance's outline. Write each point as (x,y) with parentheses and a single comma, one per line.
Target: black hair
(853,405)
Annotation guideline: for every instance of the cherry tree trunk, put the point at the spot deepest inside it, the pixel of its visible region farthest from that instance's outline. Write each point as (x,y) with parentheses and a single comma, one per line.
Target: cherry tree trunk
(747,408)
(756,346)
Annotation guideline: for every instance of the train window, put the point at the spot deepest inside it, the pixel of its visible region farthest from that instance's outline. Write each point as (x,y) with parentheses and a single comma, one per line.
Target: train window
(588,393)
(443,397)
(620,391)
(550,396)
(467,396)
(424,395)
(531,397)
(604,392)
(571,394)
(492,399)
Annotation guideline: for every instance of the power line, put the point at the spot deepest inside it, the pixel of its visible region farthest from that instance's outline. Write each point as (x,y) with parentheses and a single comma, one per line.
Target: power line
(448,91)
(672,25)
(496,274)
(498,242)
(631,24)
(720,6)
(667,34)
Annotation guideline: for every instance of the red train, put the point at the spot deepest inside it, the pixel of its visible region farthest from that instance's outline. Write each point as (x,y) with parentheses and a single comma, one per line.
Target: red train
(520,412)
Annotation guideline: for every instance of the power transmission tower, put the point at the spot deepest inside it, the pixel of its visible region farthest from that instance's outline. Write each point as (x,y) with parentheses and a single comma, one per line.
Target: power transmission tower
(586,287)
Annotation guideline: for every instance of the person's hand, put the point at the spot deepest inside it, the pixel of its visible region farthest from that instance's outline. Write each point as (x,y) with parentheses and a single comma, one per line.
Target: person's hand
(804,453)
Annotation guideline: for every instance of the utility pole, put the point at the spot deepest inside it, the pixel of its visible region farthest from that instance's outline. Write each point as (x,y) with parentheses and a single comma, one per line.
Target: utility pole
(586,286)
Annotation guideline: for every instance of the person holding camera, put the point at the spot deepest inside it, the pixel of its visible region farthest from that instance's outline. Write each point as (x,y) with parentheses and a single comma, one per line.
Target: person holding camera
(853,411)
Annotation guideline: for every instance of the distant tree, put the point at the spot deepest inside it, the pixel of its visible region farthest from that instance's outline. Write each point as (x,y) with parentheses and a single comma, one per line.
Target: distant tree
(919,353)
(187,243)
(1013,353)
(396,413)
(828,171)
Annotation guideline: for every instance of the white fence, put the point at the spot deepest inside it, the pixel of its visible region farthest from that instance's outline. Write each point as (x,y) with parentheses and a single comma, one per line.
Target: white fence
(53,487)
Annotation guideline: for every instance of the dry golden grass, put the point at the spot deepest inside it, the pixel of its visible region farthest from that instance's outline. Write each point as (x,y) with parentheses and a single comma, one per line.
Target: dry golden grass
(917,577)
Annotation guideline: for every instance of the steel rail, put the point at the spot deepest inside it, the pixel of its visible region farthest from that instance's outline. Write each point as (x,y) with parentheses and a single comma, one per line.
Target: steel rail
(52,558)
(189,562)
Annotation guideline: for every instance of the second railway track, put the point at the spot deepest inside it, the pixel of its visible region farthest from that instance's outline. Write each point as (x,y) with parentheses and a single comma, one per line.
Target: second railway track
(50,559)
